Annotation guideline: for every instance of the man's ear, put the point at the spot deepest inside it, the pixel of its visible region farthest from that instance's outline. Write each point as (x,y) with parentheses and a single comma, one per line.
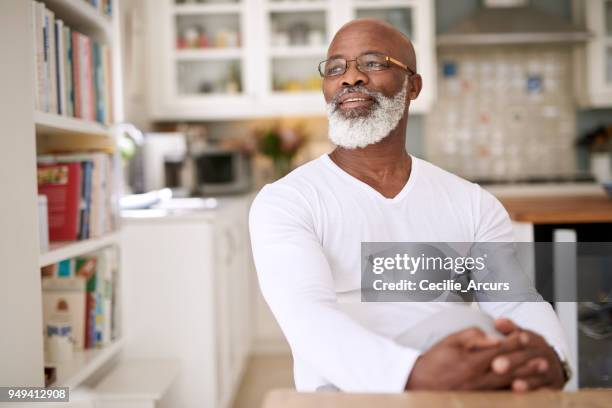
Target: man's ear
(416,84)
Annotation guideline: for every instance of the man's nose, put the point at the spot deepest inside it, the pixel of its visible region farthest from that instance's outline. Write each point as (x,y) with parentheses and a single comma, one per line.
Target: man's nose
(353,76)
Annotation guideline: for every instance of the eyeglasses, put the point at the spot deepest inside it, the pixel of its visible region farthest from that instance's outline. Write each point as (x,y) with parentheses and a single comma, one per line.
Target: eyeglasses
(369,62)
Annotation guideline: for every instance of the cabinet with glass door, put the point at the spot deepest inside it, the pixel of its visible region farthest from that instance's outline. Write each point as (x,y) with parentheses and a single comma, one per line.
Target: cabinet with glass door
(594,62)
(415,19)
(296,35)
(200,57)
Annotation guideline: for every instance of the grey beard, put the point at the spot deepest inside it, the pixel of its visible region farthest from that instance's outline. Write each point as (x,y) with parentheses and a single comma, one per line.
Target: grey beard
(357,131)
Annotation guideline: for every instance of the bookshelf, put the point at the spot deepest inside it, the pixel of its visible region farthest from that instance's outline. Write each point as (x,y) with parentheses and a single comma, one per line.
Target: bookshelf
(84,364)
(25,133)
(63,250)
(50,123)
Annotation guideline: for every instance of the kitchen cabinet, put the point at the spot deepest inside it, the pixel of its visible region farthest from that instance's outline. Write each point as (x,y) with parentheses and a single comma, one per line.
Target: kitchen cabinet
(188,297)
(594,61)
(567,218)
(234,59)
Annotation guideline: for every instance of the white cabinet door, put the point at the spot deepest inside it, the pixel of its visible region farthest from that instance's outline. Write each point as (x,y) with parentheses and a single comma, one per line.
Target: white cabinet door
(415,18)
(199,59)
(594,62)
(168,310)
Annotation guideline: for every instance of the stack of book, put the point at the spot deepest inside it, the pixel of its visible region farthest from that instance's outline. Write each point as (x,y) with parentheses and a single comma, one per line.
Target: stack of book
(81,199)
(73,72)
(84,289)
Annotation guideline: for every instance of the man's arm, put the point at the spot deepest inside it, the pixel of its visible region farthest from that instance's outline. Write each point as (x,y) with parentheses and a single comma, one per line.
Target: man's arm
(546,340)
(297,283)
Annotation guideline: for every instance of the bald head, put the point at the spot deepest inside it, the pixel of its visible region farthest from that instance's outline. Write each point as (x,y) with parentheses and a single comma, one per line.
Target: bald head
(375,33)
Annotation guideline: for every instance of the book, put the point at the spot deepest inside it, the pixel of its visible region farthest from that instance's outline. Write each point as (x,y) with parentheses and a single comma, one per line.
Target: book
(76,75)
(105,268)
(86,78)
(87,169)
(61,183)
(60,67)
(51,62)
(98,65)
(65,268)
(38,37)
(86,268)
(108,85)
(66,294)
(72,71)
(68,89)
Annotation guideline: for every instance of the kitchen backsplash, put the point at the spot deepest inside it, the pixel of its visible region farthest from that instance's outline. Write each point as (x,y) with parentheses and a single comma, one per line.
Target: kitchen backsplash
(503,112)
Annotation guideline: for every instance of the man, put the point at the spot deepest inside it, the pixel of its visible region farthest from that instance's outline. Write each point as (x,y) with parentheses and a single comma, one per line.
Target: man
(307,229)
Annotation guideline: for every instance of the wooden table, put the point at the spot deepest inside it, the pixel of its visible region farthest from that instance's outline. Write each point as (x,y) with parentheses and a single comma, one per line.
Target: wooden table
(559,209)
(539,399)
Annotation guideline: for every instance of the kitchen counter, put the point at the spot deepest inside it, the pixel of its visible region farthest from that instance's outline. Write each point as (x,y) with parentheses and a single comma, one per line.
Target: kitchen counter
(541,399)
(559,209)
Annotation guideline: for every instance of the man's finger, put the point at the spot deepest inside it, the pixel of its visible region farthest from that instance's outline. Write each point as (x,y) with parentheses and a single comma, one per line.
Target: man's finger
(530,383)
(482,343)
(466,336)
(535,366)
(506,363)
(511,343)
(505,326)
(492,381)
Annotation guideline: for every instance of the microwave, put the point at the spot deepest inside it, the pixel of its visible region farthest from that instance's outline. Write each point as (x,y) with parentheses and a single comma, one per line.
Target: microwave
(220,171)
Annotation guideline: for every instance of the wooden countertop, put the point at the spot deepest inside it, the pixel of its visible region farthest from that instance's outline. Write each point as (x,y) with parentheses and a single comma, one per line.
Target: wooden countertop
(574,209)
(540,399)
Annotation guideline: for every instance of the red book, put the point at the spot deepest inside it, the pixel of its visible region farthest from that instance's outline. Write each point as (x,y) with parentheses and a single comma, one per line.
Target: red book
(76,75)
(61,183)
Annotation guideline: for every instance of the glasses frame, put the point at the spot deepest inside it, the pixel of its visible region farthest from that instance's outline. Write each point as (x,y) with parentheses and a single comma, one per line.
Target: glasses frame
(387,59)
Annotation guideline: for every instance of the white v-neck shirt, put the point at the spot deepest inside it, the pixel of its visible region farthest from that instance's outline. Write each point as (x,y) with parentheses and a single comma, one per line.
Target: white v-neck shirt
(306,233)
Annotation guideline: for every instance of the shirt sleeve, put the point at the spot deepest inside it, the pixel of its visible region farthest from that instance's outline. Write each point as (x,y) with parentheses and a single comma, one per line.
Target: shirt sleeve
(297,283)
(494,225)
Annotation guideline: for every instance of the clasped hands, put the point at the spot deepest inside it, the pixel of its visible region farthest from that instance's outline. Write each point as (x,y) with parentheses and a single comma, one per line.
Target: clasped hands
(471,360)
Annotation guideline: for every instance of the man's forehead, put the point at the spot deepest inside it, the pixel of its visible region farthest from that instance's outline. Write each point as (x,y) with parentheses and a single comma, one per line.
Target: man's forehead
(358,39)
(353,46)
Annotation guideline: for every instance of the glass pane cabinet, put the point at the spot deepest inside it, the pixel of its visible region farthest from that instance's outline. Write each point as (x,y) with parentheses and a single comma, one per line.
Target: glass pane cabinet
(233,59)
(208,47)
(594,61)
(608,31)
(298,35)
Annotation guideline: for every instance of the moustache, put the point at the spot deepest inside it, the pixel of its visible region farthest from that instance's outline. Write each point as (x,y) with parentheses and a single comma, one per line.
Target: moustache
(335,101)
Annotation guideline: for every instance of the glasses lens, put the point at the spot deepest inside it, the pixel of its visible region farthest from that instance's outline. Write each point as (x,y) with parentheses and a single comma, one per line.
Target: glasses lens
(332,67)
(372,62)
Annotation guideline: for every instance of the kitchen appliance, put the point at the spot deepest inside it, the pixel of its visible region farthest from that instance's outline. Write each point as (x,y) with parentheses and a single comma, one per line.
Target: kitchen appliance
(163,163)
(220,171)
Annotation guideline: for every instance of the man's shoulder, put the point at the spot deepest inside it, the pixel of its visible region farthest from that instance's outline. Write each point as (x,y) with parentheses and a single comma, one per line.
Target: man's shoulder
(302,177)
(295,187)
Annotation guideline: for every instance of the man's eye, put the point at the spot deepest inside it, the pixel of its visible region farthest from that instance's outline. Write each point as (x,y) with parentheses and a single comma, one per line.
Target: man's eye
(374,65)
(335,70)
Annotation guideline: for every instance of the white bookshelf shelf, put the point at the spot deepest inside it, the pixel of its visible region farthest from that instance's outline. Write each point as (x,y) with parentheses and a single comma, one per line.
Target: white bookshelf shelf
(59,251)
(81,15)
(208,8)
(83,364)
(209,54)
(294,6)
(49,123)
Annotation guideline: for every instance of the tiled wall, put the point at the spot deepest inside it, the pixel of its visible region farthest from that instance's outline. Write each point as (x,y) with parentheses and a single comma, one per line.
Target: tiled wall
(503,112)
